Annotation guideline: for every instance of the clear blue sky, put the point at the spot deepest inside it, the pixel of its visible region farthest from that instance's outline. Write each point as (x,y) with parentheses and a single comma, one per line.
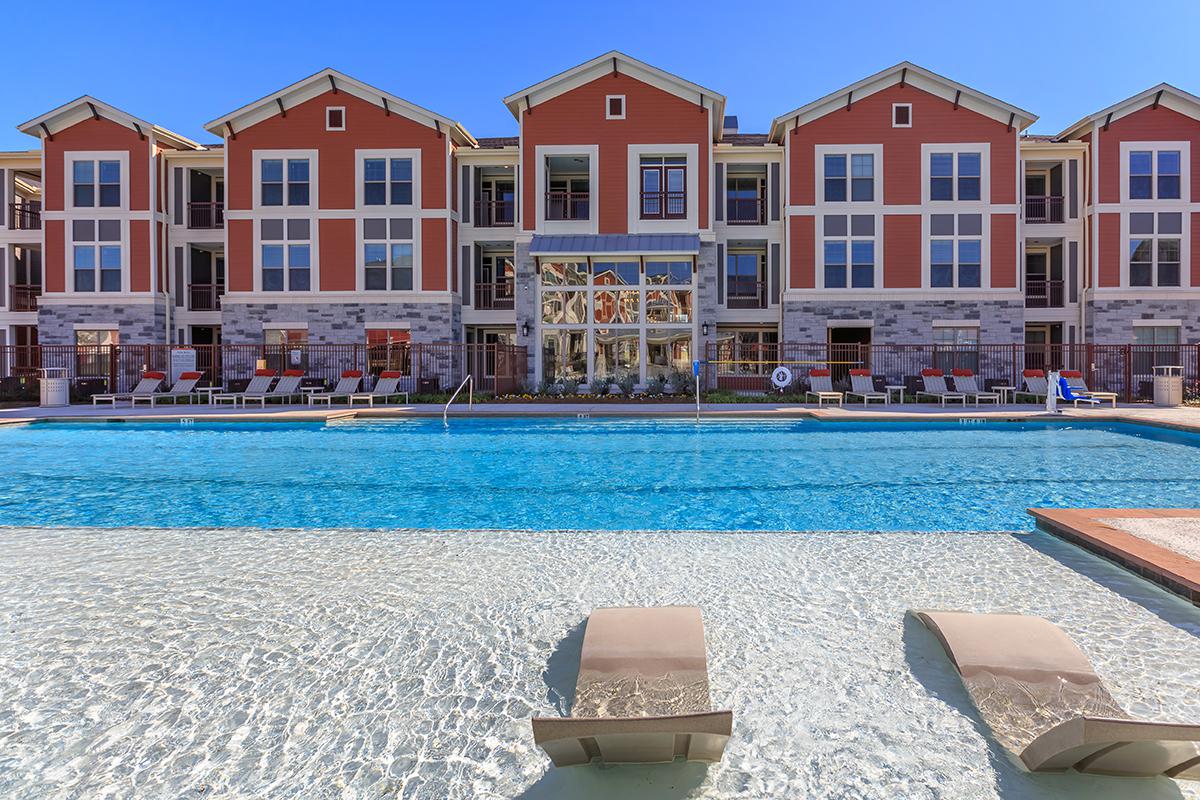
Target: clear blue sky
(180,65)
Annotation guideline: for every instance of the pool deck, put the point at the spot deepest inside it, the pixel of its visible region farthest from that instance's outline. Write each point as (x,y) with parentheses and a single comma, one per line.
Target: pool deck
(1182,418)
(1097,530)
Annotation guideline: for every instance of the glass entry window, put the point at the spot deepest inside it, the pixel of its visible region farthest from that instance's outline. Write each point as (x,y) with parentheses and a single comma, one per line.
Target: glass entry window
(616,317)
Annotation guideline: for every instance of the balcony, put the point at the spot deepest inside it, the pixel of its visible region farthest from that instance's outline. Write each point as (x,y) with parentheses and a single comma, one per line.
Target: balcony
(664,205)
(745,211)
(26,216)
(494,213)
(24,297)
(1043,209)
(745,292)
(567,206)
(1043,294)
(206,215)
(205,296)
(494,296)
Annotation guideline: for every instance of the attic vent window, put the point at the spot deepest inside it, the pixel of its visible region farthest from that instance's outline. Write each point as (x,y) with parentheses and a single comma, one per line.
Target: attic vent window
(614,106)
(902,115)
(335,118)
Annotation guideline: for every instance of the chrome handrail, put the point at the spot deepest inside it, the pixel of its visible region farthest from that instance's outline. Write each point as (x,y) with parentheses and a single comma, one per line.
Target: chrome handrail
(470,398)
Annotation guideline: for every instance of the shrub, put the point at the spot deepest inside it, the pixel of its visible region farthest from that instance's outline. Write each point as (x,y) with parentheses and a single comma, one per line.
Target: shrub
(570,386)
(548,388)
(600,385)
(655,386)
(626,383)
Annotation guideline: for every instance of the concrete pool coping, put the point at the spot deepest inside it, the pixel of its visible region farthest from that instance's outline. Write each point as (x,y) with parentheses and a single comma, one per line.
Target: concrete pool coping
(1185,418)
(1172,570)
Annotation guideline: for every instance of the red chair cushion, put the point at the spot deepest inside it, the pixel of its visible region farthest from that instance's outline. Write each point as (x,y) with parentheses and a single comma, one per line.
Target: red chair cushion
(1071,373)
(961,373)
(155,375)
(352,373)
(190,376)
(293,373)
(264,373)
(1033,373)
(932,373)
(391,374)
(866,372)
(818,373)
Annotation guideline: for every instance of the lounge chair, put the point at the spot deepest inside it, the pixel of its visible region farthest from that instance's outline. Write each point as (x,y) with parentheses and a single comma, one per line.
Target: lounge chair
(259,384)
(1043,700)
(934,383)
(1066,393)
(965,383)
(642,693)
(862,386)
(288,388)
(145,387)
(184,387)
(1079,387)
(347,385)
(1035,385)
(820,386)
(386,387)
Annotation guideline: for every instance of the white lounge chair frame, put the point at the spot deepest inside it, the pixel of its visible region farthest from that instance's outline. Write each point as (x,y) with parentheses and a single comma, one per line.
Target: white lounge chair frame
(184,387)
(383,389)
(967,384)
(863,386)
(821,387)
(144,388)
(287,388)
(1044,701)
(1035,387)
(650,667)
(1079,386)
(258,385)
(935,386)
(347,385)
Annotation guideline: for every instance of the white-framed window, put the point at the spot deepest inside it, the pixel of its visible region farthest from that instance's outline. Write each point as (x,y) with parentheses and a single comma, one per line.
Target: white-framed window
(285,255)
(96,255)
(387,181)
(849,251)
(1155,174)
(96,180)
(387,255)
(1155,248)
(901,115)
(956,176)
(955,251)
(285,178)
(848,177)
(614,106)
(335,118)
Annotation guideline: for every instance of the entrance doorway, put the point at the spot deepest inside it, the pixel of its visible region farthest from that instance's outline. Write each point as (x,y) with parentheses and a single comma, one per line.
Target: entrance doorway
(1043,345)
(849,348)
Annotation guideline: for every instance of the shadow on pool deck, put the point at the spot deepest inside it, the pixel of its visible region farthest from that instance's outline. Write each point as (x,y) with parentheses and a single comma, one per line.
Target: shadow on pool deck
(650,781)
(932,669)
(1168,607)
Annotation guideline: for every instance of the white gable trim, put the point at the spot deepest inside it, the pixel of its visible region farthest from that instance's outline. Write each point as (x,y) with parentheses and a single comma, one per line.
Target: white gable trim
(917,77)
(317,85)
(600,66)
(78,110)
(1172,98)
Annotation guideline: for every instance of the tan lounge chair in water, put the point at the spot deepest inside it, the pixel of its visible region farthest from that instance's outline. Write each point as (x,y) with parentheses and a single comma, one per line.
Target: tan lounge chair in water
(1039,694)
(642,693)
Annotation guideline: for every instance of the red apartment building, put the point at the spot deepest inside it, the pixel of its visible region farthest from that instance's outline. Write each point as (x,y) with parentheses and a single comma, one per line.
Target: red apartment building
(627,226)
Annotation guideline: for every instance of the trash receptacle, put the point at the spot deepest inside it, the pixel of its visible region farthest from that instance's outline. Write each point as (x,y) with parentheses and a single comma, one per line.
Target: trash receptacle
(1168,386)
(427,386)
(55,389)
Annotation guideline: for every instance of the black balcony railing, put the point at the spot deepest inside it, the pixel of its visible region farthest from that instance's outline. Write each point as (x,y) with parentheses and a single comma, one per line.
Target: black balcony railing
(494,213)
(567,205)
(745,292)
(745,211)
(206,215)
(205,296)
(664,205)
(24,297)
(494,296)
(25,216)
(1043,294)
(1043,209)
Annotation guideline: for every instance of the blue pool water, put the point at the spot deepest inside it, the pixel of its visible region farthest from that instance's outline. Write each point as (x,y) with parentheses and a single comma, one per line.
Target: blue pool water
(541,474)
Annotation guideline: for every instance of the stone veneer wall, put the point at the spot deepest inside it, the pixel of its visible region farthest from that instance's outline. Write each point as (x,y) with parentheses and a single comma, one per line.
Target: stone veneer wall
(136,323)
(1111,321)
(341,323)
(905,321)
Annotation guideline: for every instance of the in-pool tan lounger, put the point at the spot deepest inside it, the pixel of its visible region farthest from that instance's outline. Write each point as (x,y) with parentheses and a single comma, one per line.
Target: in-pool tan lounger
(642,693)
(1038,692)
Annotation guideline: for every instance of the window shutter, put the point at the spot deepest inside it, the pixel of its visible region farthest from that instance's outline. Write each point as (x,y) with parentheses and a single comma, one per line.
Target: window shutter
(468,198)
(181,287)
(178,195)
(774,192)
(720,274)
(464,266)
(719,194)
(774,287)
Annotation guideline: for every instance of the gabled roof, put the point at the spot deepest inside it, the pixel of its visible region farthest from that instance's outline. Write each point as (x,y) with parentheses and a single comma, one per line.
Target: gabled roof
(324,81)
(616,61)
(81,108)
(1163,94)
(911,75)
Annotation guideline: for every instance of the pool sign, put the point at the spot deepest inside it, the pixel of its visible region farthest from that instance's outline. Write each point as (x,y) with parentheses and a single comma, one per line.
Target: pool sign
(182,360)
(781,377)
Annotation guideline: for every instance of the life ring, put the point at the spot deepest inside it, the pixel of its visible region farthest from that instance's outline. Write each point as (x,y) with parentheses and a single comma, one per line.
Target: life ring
(781,377)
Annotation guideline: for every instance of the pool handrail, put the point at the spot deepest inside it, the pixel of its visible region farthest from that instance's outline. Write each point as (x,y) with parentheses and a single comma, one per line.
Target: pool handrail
(467,381)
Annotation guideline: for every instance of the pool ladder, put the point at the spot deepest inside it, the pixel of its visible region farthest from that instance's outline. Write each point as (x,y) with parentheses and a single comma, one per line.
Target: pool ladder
(468,381)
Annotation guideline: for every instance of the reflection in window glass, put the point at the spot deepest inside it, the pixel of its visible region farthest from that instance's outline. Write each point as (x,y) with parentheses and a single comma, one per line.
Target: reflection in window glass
(619,273)
(617,353)
(674,273)
(668,351)
(616,307)
(668,306)
(557,273)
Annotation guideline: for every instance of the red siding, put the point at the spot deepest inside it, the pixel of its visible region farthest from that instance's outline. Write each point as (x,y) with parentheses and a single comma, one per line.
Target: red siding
(54,260)
(433,255)
(91,135)
(869,121)
(1004,251)
(802,244)
(139,255)
(1108,255)
(1195,250)
(239,264)
(339,272)
(1146,125)
(902,251)
(367,127)
(652,116)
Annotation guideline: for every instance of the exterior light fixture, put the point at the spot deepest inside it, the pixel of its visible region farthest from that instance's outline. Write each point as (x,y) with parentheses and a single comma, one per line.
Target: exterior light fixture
(525,330)
(704,329)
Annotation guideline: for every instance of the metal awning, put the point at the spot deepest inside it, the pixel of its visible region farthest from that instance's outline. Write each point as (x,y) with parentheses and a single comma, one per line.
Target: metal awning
(631,243)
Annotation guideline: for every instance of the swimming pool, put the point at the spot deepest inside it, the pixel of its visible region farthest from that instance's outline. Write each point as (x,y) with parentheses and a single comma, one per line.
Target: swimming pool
(602,474)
